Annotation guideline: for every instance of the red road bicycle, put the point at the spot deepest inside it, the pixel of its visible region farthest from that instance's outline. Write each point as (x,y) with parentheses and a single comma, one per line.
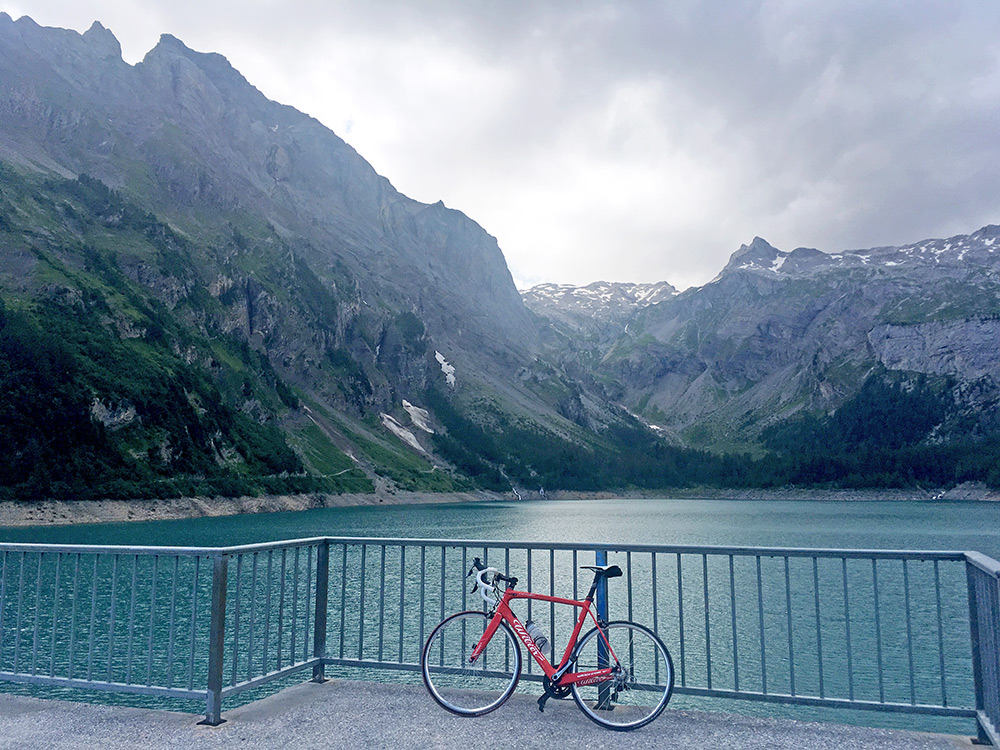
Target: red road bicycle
(620,674)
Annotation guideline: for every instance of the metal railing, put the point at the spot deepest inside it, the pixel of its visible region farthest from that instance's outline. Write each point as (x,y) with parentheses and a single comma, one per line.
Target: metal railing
(904,631)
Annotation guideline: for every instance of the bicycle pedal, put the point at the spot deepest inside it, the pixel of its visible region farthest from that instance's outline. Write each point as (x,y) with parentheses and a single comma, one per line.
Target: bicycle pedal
(541,702)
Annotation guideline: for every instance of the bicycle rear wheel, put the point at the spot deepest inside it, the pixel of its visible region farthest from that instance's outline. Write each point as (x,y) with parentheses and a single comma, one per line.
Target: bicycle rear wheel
(639,692)
(470,689)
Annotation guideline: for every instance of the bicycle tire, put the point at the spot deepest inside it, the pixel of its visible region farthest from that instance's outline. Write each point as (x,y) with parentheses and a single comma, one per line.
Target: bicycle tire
(646,683)
(470,689)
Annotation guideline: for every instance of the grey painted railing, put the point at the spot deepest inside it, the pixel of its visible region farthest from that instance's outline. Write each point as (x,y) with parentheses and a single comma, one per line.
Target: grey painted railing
(904,631)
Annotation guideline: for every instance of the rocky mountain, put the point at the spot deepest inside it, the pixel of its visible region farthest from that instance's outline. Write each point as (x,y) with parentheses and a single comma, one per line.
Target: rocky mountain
(221,247)
(598,309)
(779,333)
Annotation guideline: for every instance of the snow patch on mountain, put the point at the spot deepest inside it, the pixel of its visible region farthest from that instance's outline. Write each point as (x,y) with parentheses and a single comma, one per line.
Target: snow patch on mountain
(421,417)
(447,369)
(401,432)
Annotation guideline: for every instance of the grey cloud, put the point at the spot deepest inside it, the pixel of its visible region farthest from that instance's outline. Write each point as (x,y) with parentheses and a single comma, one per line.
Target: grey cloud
(639,139)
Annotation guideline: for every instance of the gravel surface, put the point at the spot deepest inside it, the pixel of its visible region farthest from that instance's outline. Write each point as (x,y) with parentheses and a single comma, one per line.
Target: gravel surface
(344,714)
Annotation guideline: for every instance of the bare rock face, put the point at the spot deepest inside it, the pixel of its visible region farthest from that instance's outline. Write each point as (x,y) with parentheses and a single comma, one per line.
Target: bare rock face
(967,349)
(186,136)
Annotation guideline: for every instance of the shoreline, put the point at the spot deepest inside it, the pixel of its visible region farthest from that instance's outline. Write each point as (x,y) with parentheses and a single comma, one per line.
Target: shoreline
(15,514)
(71,512)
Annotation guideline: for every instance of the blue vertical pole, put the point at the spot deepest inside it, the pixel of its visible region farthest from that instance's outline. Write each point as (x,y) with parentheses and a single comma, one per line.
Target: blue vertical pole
(603,690)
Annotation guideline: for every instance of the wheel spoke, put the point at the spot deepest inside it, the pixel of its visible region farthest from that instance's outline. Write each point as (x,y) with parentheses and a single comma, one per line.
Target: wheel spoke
(640,687)
(463,687)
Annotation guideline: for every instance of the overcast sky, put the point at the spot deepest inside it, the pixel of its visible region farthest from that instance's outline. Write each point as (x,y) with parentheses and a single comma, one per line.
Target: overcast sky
(630,140)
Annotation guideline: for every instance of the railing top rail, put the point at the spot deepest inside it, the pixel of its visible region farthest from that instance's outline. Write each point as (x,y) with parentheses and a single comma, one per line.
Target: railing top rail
(976,558)
(127,549)
(984,563)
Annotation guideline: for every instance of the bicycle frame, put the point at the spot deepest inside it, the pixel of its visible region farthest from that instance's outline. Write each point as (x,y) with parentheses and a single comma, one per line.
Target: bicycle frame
(558,675)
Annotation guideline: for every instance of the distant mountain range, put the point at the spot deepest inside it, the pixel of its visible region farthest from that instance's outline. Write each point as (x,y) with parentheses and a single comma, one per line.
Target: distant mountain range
(778,334)
(204,291)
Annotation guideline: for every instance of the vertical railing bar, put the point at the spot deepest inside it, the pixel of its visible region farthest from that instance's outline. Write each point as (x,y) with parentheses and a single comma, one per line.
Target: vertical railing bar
(680,617)
(402,596)
(309,598)
(552,606)
(236,619)
(111,615)
(216,638)
(322,604)
(152,620)
(847,628)
(940,633)
(732,610)
(55,616)
(465,567)
(486,562)
(443,560)
(979,681)
(708,631)
(194,619)
(381,604)
(20,610)
(281,607)
(72,617)
(760,620)
(791,647)
(295,606)
(878,633)
(253,614)
(819,627)
(506,648)
(527,553)
(656,670)
(993,613)
(361,619)
(38,614)
(3,600)
(131,620)
(173,613)
(93,624)
(909,631)
(343,600)
(267,611)
(423,592)
(628,567)
(576,592)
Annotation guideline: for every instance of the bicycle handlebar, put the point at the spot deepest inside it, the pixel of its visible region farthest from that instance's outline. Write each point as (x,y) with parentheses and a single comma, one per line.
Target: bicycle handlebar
(486,590)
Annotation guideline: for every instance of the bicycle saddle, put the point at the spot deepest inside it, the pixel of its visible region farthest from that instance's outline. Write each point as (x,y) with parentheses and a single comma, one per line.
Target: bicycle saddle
(608,571)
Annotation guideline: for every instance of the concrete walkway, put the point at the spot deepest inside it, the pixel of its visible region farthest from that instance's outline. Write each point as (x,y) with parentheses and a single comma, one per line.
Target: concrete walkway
(343,714)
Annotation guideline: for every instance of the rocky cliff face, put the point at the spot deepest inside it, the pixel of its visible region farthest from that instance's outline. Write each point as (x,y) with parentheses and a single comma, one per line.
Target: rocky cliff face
(778,333)
(187,135)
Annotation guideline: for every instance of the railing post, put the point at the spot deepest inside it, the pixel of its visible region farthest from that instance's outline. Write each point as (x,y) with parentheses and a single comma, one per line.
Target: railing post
(216,640)
(984,601)
(603,689)
(319,620)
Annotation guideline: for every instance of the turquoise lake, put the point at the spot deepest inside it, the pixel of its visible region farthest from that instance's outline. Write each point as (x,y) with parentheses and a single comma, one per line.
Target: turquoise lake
(923,525)
(917,525)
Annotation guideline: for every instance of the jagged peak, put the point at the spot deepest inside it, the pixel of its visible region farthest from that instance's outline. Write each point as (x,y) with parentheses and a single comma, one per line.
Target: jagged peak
(214,65)
(103,40)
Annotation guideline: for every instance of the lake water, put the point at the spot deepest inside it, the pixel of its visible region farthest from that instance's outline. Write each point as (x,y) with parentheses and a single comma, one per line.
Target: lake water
(918,525)
(923,525)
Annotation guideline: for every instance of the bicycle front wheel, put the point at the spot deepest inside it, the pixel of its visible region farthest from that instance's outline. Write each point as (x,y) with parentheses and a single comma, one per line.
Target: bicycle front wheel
(464,688)
(639,689)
